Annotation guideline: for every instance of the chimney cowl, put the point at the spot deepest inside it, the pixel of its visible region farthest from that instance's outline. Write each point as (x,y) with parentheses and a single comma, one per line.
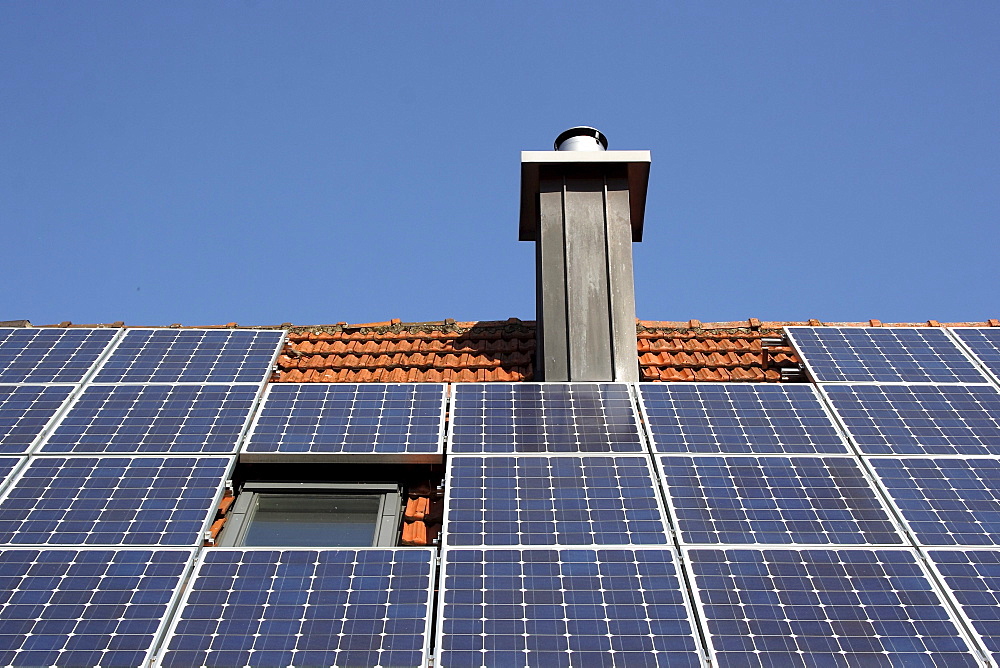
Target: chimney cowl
(581,138)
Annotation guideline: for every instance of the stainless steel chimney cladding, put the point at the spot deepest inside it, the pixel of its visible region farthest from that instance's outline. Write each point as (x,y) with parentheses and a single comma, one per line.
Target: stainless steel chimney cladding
(581,138)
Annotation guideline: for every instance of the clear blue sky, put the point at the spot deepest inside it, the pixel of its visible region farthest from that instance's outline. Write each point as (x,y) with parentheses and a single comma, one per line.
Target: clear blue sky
(267,162)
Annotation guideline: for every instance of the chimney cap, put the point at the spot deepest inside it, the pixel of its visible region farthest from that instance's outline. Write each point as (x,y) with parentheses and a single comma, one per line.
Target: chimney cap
(581,131)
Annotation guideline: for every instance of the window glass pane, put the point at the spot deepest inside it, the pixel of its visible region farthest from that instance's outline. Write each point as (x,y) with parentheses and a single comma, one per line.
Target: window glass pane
(314,520)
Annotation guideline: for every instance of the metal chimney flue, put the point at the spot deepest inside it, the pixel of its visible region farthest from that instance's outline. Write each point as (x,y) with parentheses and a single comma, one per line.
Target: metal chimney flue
(583,206)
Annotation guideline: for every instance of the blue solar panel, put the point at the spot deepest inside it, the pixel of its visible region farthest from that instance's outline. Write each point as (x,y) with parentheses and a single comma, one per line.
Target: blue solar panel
(305,608)
(803,500)
(536,418)
(112,501)
(973,577)
(192,356)
(560,500)
(509,608)
(150,419)
(349,419)
(920,419)
(856,607)
(738,418)
(50,355)
(945,501)
(7,466)
(85,607)
(883,354)
(984,343)
(25,410)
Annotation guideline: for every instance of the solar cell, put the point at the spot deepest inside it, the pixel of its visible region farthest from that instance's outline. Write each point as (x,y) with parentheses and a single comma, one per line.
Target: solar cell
(192,356)
(336,418)
(25,410)
(543,418)
(554,500)
(149,419)
(738,418)
(85,607)
(305,608)
(883,354)
(984,342)
(510,608)
(112,500)
(50,354)
(945,501)
(7,466)
(973,578)
(920,419)
(801,500)
(847,607)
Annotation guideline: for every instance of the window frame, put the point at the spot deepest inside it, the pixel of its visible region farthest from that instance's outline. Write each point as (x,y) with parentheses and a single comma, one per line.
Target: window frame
(387,520)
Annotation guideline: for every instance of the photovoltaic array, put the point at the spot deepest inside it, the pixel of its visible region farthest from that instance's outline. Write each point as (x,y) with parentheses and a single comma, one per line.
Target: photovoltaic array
(349,419)
(554,500)
(945,501)
(920,419)
(305,608)
(543,418)
(85,607)
(192,356)
(567,607)
(25,410)
(50,354)
(152,419)
(847,607)
(745,418)
(7,466)
(984,342)
(973,578)
(111,501)
(794,500)
(883,354)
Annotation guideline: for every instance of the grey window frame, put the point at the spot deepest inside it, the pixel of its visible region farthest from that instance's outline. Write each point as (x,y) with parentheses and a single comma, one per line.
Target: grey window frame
(386,525)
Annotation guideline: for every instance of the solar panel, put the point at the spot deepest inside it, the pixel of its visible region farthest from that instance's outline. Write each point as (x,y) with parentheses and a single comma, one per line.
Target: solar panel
(537,418)
(323,419)
(801,500)
(554,500)
(192,356)
(738,418)
(883,354)
(7,466)
(49,354)
(973,578)
(112,500)
(566,607)
(85,607)
(847,607)
(920,419)
(149,419)
(305,608)
(25,410)
(945,501)
(984,342)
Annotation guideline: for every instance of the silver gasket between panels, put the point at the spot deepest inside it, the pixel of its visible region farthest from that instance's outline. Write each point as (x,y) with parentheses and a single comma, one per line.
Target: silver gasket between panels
(656,487)
(21,469)
(918,558)
(971,354)
(170,606)
(695,626)
(194,571)
(117,342)
(889,510)
(57,420)
(952,597)
(806,364)
(436,457)
(648,428)
(628,390)
(851,439)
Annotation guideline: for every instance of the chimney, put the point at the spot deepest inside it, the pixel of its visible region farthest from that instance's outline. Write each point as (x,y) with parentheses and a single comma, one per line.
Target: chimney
(583,206)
